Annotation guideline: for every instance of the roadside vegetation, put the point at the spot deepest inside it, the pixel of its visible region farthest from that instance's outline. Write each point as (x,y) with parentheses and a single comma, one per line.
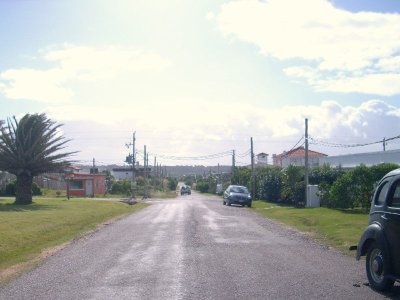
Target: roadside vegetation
(28,231)
(164,188)
(157,187)
(338,188)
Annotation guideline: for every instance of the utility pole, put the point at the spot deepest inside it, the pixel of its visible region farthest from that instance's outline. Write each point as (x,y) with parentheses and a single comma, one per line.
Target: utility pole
(233,167)
(384,144)
(145,173)
(306,161)
(133,184)
(253,185)
(154,173)
(219,175)
(147,176)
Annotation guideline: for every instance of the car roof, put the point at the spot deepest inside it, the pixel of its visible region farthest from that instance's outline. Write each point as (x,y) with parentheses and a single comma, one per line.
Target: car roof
(241,186)
(392,173)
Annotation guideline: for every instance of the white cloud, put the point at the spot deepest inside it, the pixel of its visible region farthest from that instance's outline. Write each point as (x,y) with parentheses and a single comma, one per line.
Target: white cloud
(38,85)
(333,41)
(173,129)
(390,64)
(381,84)
(71,63)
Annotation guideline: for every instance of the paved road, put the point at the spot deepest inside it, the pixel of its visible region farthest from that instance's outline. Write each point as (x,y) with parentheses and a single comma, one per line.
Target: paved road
(194,248)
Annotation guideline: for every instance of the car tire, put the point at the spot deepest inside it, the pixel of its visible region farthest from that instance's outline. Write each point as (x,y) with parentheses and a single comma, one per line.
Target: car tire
(223,202)
(249,205)
(228,203)
(378,267)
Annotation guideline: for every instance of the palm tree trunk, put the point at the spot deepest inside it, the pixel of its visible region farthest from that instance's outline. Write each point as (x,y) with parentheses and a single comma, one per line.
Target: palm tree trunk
(24,189)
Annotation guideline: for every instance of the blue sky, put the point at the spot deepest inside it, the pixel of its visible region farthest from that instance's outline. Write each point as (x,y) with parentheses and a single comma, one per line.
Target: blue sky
(194,78)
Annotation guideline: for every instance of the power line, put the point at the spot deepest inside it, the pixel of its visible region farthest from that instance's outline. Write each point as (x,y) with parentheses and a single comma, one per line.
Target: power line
(201,157)
(247,153)
(338,145)
(302,137)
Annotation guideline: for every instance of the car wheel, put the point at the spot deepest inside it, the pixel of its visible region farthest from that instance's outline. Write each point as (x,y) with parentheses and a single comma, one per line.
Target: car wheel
(249,205)
(378,268)
(228,203)
(223,202)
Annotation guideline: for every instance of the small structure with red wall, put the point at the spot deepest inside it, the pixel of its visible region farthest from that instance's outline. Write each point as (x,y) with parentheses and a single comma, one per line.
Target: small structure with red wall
(85,185)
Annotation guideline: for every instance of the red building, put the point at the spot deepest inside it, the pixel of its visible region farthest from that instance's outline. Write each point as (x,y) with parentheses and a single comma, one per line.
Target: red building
(85,185)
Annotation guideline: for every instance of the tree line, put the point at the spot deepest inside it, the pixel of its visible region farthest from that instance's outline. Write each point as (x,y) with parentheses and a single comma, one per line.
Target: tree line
(338,187)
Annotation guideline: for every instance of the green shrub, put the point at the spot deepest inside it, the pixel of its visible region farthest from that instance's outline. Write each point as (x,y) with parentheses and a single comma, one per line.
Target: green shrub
(354,189)
(122,187)
(203,186)
(172,183)
(11,187)
(269,184)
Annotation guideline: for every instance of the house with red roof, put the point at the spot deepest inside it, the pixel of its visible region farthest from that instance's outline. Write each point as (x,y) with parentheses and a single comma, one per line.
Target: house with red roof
(296,157)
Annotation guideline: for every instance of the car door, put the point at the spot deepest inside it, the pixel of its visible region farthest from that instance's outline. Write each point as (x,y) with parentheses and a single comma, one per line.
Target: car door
(392,224)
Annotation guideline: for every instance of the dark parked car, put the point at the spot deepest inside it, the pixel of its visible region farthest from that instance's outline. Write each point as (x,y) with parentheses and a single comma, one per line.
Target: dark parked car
(185,190)
(236,194)
(380,241)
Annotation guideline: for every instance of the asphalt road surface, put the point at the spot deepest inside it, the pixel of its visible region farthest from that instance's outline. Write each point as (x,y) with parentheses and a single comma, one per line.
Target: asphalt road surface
(195,248)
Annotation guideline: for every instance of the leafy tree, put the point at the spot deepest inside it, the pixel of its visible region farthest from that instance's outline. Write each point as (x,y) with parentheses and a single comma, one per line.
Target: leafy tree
(325,174)
(293,181)
(172,183)
(121,187)
(324,177)
(109,180)
(269,182)
(243,176)
(203,186)
(343,192)
(11,187)
(355,187)
(30,147)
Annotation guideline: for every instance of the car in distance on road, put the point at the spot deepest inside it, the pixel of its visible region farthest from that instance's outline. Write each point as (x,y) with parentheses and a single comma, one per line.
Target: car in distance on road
(237,194)
(185,190)
(380,241)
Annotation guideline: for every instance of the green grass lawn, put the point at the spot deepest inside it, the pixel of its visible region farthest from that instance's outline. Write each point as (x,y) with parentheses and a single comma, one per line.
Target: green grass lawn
(337,228)
(27,230)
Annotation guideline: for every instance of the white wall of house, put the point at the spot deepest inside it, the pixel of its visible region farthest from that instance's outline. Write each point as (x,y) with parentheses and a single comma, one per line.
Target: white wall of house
(300,161)
(262,159)
(122,175)
(368,159)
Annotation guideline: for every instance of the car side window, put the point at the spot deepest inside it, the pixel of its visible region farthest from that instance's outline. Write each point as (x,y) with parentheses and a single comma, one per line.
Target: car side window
(394,199)
(381,194)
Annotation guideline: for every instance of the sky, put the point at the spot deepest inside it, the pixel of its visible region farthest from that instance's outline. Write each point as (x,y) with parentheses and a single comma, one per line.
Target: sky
(197,79)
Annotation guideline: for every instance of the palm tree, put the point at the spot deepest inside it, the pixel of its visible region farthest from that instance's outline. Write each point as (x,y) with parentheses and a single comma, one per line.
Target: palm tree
(29,147)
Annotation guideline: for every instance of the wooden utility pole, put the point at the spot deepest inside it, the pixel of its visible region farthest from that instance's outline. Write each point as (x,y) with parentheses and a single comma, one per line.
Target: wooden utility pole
(154,173)
(253,183)
(233,167)
(384,144)
(306,161)
(145,172)
(133,183)
(219,175)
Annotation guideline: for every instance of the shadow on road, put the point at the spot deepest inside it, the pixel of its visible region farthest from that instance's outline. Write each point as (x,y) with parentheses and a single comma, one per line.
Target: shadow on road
(394,293)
